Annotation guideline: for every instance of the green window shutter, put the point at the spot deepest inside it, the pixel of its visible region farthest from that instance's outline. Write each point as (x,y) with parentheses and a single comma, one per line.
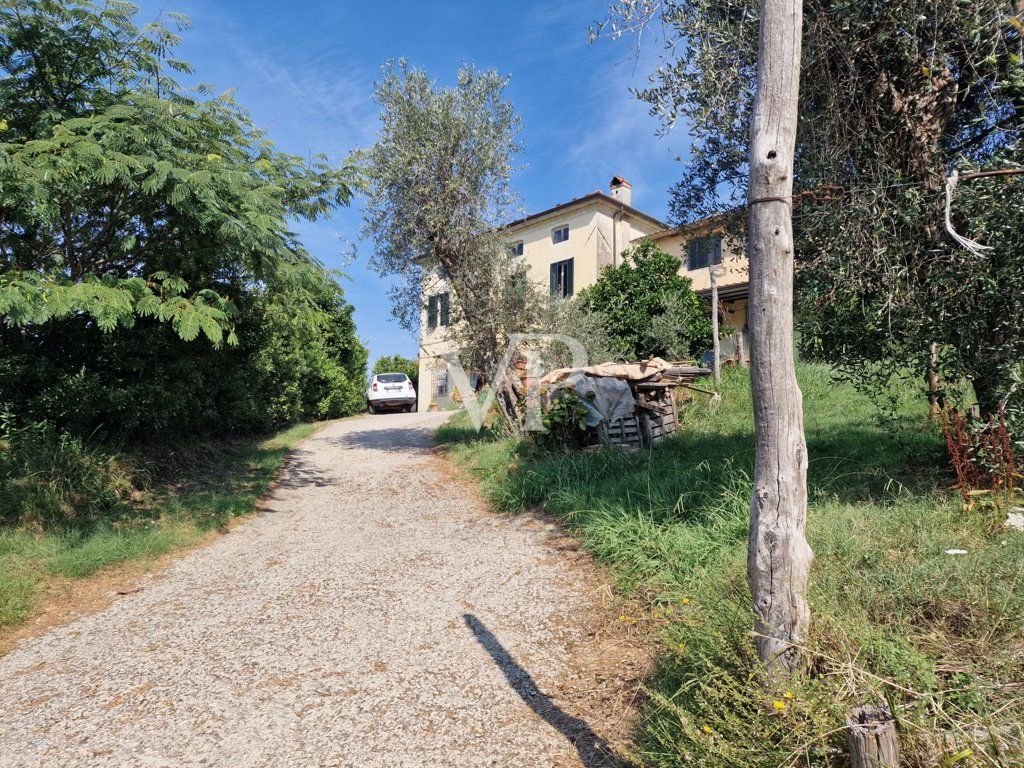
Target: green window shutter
(444,309)
(568,278)
(693,254)
(432,312)
(554,279)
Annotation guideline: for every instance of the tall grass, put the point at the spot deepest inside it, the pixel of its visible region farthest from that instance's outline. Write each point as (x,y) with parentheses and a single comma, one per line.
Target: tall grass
(896,619)
(53,528)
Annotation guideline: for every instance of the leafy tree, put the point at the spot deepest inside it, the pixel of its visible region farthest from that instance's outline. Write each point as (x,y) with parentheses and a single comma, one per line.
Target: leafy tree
(124,195)
(438,192)
(892,96)
(136,217)
(646,304)
(399,364)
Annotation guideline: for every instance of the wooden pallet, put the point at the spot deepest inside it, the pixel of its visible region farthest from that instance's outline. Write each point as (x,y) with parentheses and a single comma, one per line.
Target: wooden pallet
(658,415)
(623,432)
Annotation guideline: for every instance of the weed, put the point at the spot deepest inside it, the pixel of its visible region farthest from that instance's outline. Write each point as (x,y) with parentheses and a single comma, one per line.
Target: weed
(199,487)
(895,618)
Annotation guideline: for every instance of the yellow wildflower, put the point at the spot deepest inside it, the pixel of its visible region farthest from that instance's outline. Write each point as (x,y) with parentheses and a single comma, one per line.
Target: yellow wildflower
(707,729)
(788,695)
(686,601)
(779,705)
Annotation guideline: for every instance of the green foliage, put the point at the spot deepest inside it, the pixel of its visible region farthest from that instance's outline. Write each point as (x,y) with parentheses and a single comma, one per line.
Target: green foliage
(151,286)
(438,192)
(50,480)
(647,305)
(564,419)
(892,96)
(223,483)
(399,364)
(128,187)
(896,618)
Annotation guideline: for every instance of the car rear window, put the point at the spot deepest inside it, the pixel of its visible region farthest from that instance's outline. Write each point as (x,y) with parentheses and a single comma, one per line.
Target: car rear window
(391,378)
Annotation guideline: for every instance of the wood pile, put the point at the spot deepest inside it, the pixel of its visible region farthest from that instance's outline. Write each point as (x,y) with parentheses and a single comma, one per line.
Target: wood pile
(656,414)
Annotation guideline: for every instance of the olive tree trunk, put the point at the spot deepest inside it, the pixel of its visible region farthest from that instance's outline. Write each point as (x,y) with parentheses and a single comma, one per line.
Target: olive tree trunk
(779,557)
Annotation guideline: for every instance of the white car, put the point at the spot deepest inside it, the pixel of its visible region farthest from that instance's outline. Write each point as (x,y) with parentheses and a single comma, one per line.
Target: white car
(390,390)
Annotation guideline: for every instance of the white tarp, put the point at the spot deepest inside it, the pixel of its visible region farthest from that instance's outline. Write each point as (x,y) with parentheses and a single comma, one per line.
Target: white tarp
(606,399)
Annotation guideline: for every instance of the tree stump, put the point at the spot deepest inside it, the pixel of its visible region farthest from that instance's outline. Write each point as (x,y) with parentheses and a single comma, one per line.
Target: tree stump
(874,742)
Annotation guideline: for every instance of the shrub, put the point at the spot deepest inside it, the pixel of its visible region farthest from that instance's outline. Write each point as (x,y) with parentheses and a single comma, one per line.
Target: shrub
(50,479)
(630,299)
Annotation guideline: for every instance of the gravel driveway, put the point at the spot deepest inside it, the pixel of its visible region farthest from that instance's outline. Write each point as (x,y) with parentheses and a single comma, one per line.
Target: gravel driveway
(372,615)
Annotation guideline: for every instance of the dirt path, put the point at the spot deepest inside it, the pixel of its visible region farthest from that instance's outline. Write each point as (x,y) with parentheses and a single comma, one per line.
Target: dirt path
(372,615)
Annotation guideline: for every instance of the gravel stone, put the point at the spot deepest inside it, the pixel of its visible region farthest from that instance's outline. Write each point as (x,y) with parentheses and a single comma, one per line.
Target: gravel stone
(372,614)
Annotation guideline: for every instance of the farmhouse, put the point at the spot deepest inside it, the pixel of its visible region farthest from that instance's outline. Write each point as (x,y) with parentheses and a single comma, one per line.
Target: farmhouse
(566,247)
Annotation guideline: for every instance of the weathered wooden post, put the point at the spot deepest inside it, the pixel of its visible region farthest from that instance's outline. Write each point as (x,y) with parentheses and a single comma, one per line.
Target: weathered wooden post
(713,273)
(779,557)
(871,734)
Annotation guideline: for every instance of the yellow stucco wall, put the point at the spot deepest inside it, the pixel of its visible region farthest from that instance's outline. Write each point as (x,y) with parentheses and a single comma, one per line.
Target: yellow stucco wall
(599,230)
(734,260)
(735,273)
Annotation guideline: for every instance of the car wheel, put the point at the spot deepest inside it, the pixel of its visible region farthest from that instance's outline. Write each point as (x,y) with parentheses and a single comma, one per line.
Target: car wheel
(410,408)
(371,408)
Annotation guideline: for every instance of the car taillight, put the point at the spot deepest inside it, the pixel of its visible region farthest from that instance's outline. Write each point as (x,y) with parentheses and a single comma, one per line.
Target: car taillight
(410,384)
(375,386)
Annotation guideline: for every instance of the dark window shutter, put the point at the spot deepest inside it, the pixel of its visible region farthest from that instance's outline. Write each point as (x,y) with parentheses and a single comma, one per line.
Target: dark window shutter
(693,252)
(717,250)
(444,309)
(432,312)
(554,279)
(568,278)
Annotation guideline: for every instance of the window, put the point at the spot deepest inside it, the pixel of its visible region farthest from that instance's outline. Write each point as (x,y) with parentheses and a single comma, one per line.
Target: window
(559,235)
(441,380)
(391,378)
(516,248)
(702,250)
(437,311)
(561,279)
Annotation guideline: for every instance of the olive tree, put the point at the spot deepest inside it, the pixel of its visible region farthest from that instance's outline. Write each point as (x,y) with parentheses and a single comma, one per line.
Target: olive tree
(895,95)
(438,193)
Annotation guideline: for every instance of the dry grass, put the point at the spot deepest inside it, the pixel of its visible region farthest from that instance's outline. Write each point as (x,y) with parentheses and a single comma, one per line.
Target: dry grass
(939,637)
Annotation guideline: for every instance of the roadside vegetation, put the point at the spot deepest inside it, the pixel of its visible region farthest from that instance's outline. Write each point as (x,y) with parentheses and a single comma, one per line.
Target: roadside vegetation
(74,509)
(897,618)
(159,316)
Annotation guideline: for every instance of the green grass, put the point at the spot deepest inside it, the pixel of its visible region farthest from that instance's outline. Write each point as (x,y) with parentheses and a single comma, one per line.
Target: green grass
(895,618)
(206,493)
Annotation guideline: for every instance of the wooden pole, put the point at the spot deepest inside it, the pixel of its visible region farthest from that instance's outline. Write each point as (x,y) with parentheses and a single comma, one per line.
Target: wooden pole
(933,380)
(873,739)
(712,271)
(779,557)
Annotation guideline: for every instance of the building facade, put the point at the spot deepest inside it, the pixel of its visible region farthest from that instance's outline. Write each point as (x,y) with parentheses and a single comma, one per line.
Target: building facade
(566,247)
(701,247)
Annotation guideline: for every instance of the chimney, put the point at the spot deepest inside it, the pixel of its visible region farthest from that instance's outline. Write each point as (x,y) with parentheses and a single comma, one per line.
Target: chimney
(621,190)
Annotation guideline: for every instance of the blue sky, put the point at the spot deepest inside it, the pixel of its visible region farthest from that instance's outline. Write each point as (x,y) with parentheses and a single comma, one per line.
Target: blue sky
(306,70)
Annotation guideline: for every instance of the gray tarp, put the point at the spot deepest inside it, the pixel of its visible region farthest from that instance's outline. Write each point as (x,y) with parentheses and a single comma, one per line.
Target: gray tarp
(606,399)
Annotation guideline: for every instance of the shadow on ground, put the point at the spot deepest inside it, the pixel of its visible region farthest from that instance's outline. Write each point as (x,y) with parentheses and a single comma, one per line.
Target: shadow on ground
(395,433)
(594,752)
(300,472)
